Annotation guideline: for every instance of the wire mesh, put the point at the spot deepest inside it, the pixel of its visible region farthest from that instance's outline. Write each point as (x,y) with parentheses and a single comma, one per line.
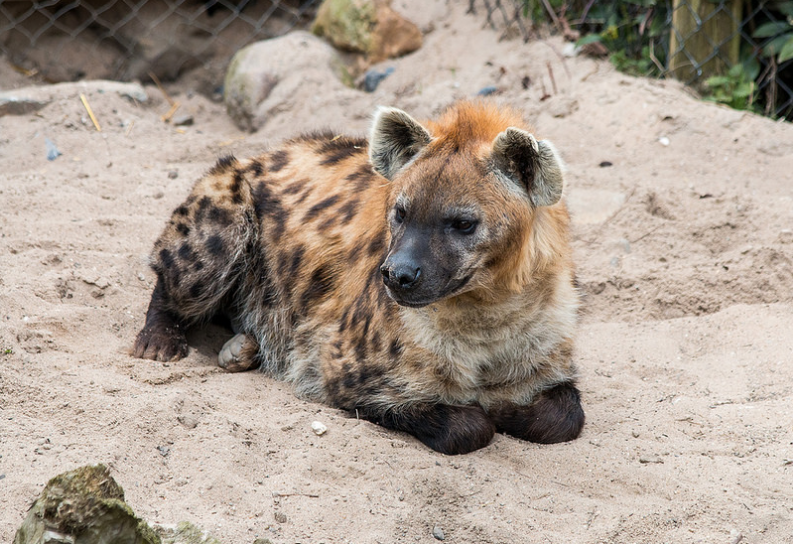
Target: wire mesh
(693,40)
(63,40)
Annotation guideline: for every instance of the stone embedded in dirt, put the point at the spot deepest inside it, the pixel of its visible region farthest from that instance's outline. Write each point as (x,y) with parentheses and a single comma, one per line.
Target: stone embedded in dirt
(85,505)
(52,150)
(278,75)
(30,99)
(183,120)
(369,27)
(373,77)
(437,532)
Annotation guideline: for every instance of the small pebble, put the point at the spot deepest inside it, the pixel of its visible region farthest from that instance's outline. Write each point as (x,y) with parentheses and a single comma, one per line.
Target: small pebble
(173,174)
(664,141)
(280,517)
(164,450)
(52,150)
(605,164)
(318,428)
(373,78)
(437,532)
(487,91)
(635,434)
(183,121)
(651,460)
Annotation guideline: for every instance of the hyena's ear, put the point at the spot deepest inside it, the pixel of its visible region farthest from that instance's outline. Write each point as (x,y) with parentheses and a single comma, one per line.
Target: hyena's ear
(395,138)
(533,165)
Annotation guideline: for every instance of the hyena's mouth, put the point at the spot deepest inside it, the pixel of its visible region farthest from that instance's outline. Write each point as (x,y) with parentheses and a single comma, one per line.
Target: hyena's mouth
(416,300)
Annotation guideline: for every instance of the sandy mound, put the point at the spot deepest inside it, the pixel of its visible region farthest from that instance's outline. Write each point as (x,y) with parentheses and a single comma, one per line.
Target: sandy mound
(684,255)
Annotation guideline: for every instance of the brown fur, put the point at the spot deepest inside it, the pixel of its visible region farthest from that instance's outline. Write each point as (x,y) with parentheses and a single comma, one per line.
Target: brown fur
(425,323)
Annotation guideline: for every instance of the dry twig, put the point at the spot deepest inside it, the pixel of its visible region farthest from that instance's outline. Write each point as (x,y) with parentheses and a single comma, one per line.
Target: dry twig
(90,113)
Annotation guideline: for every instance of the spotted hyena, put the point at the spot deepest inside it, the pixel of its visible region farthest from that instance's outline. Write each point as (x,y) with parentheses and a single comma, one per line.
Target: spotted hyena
(422,279)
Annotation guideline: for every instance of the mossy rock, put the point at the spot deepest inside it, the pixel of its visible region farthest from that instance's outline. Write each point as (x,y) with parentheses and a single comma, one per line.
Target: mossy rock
(368,27)
(83,506)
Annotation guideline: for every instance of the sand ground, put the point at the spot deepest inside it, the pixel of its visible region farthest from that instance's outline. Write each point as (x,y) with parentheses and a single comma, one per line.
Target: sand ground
(685,255)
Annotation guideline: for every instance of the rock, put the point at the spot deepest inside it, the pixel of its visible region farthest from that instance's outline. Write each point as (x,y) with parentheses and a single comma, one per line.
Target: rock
(487,91)
(183,120)
(437,532)
(30,99)
(84,506)
(293,71)
(12,103)
(370,27)
(373,77)
(52,150)
(318,428)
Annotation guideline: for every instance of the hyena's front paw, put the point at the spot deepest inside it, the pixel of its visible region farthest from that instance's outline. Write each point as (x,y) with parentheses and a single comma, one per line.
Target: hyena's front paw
(160,343)
(238,354)
(555,416)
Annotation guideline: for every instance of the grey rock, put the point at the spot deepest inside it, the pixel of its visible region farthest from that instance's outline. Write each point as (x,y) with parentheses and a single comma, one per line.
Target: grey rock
(52,150)
(279,75)
(183,120)
(437,532)
(31,99)
(373,77)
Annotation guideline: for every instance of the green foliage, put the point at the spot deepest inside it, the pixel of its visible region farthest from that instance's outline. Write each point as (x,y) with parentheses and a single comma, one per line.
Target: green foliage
(737,89)
(8,351)
(780,45)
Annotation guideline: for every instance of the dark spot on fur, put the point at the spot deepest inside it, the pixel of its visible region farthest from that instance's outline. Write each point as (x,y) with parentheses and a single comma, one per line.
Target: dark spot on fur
(236,187)
(215,245)
(356,251)
(396,348)
(349,380)
(294,187)
(267,204)
(348,211)
(343,320)
(186,252)
(314,210)
(220,216)
(278,160)
(182,229)
(198,266)
(197,289)
(362,176)
(320,286)
(297,260)
(224,164)
(203,206)
(376,246)
(256,167)
(376,344)
(339,149)
(576,283)
(182,210)
(327,223)
(166,259)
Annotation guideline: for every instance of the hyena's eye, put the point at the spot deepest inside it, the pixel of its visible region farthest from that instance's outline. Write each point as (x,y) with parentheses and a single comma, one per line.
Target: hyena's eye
(399,214)
(464,226)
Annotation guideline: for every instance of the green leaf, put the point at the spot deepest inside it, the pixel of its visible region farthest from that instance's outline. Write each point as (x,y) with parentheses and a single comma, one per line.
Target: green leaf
(736,71)
(589,38)
(773,28)
(751,67)
(773,47)
(717,81)
(786,8)
(743,90)
(787,51)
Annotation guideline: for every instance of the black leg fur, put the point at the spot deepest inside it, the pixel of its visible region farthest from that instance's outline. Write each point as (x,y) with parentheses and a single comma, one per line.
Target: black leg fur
(448,429)
(163,337)
(556,416)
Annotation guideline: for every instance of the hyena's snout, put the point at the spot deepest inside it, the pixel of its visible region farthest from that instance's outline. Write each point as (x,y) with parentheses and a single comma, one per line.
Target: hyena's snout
(400,274)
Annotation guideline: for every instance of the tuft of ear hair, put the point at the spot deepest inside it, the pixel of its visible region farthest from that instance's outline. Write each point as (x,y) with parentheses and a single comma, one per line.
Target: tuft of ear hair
(533,165)
(394,140)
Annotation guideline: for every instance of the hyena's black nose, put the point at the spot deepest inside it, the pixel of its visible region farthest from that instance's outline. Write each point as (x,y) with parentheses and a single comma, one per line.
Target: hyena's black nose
(400,276)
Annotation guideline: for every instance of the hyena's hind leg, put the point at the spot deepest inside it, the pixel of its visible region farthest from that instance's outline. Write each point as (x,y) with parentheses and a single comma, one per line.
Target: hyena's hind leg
(198,260)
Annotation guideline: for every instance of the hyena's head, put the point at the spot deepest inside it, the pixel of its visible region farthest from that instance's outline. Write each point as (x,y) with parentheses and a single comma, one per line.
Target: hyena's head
(473,203)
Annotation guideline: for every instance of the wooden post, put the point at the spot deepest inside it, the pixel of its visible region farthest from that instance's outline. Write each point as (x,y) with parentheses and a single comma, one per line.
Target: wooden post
(692,41)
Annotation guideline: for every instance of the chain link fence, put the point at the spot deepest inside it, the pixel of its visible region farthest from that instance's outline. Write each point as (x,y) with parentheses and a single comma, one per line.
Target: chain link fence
(739,52)
(65,40)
